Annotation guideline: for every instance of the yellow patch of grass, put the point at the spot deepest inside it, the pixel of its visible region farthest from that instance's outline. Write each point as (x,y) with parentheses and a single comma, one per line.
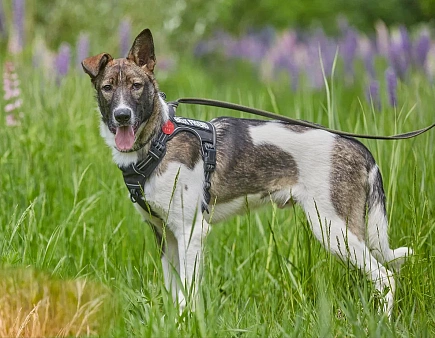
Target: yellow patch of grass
(33,304)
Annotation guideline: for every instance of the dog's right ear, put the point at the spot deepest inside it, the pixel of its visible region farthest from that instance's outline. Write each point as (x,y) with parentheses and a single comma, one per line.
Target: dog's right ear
(95,64)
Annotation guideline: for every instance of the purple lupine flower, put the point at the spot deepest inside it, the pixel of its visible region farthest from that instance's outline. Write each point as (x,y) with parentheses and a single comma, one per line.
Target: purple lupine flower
(398,60)
(348,49)
(325,48)
(366,51)
(369,64)
(405,42)
(430,63)
(382,38)
(11,121)
(124,37)
(3,30)
(278,57)
(252,47)
(82,48)
(373,94)
(18,22)
(11,87)
(422,47)
(63,60)
(320,50)
(391,80)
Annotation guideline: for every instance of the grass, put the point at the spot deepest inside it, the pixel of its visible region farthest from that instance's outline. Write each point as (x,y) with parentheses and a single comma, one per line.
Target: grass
(65,216)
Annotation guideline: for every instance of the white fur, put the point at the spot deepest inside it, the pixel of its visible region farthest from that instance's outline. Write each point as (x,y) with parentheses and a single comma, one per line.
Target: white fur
(378,235)
(186,228)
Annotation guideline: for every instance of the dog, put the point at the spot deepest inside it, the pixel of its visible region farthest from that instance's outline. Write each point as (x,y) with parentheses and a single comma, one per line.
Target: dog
(334,179)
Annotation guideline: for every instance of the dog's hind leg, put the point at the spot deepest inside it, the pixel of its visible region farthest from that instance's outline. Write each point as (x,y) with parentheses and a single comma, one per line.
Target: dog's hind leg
(377,225)
(333,233)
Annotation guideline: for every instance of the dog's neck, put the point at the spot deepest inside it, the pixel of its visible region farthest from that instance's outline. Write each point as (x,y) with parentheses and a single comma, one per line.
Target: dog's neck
(146,135)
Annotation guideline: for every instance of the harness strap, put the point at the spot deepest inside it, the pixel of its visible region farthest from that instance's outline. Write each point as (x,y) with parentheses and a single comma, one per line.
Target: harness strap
(264,113)
(136,175)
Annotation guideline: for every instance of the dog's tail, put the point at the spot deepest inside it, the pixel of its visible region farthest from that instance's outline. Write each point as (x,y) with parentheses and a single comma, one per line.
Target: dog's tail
(377,224)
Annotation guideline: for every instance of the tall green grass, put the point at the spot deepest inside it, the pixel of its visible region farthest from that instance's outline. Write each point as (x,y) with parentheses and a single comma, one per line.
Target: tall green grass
(65,213)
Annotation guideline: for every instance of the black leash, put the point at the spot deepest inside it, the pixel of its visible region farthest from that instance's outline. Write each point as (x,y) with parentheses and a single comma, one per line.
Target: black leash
(264,113)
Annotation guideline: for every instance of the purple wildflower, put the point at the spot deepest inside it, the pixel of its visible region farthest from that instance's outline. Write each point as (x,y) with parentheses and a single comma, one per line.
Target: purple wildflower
(12,93)
(82,48)
(279,57)
(124,37)
(382,38)
(422,48)
(11,121)
(3,30)
(18,14)
(366,51)
(405,42)
(252,46)
(63,60)
(391,80)
(430,63)
(398,60)
(348,49)
(373,95)
(325,48)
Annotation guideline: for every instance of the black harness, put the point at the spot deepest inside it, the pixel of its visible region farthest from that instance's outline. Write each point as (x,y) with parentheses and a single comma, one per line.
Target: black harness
(136,175)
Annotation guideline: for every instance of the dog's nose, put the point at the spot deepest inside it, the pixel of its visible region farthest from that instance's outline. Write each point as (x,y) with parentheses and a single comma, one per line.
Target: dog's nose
(122,115)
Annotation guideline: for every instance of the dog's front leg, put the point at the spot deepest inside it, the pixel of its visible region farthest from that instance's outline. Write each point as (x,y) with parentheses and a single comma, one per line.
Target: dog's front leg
(171,264)
(190,237)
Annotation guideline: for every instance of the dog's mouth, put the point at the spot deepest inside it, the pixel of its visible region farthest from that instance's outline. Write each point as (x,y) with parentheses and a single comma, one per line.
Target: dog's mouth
(125,136)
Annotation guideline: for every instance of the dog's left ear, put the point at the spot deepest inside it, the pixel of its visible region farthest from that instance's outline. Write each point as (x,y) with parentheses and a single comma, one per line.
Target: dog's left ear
(142,51)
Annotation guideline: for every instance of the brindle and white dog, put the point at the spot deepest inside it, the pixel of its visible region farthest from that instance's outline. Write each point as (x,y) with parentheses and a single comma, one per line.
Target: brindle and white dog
(334,179)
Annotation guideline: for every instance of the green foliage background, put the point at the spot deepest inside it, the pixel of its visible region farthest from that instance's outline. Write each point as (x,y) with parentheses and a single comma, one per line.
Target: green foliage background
(182,22)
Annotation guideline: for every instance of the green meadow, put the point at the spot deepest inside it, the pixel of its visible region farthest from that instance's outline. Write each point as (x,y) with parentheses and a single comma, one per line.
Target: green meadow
(77,260)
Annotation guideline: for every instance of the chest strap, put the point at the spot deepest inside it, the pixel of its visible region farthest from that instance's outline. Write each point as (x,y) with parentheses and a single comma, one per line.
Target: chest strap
(136,175)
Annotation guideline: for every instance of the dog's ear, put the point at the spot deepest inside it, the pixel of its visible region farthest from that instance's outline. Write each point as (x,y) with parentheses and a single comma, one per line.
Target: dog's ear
(142,51)
(95,64)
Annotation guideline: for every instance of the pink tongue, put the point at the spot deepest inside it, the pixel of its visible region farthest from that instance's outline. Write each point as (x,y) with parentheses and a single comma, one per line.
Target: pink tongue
(124,138)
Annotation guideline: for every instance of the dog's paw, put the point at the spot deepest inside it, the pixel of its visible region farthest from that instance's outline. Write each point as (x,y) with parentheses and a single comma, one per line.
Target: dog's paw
(181,302)
(400,255)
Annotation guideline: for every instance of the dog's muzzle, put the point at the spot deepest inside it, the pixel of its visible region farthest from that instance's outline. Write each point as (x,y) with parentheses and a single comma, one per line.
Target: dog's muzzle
(123,115)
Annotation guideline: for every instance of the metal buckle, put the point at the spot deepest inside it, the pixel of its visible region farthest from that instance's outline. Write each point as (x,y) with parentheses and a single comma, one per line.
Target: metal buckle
(210,159)
(157,149)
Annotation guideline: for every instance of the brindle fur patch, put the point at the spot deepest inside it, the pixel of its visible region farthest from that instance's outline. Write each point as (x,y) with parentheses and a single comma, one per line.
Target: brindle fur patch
(184,148)
(351,162)
(243,168)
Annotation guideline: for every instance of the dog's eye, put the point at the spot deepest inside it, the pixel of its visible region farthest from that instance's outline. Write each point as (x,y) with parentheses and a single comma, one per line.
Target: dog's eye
(137,85)
(107,88)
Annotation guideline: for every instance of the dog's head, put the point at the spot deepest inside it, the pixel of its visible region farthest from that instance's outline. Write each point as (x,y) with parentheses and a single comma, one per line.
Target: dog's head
(126,90)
